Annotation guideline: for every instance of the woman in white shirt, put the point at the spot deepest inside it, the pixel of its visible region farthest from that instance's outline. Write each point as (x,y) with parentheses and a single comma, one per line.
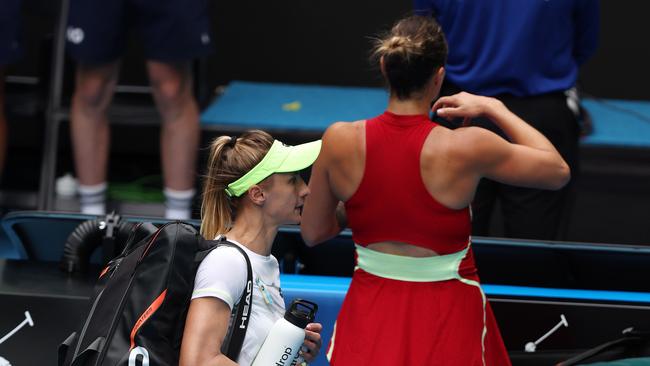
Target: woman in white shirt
(251,188)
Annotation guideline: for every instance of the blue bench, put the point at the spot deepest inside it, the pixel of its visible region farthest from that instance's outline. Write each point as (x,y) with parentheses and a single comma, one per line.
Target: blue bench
(618,123)
(312,108)
(286,107)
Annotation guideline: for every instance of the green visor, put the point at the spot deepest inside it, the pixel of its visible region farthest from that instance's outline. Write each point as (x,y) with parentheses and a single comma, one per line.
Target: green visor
(281,158)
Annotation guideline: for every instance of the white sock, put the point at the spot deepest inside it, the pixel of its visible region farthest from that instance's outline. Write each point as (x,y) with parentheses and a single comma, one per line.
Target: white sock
(178,204)
(97,209)
(93,198)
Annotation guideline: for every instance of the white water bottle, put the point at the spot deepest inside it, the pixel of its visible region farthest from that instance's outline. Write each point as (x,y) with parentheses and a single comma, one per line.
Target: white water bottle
(281,346)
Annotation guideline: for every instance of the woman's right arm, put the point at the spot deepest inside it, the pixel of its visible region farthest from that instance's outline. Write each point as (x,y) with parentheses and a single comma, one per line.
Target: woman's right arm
(323,215)
(205,328)
(529,160)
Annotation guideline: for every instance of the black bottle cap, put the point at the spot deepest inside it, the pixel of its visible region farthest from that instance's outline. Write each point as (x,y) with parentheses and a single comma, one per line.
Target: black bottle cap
(301,312)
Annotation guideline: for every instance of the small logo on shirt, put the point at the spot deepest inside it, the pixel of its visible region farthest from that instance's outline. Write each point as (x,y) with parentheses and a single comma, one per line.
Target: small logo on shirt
(75,35)
(205,38)
(247,305)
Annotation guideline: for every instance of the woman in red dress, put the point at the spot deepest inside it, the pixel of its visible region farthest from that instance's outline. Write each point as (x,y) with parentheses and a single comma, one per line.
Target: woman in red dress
(406,185)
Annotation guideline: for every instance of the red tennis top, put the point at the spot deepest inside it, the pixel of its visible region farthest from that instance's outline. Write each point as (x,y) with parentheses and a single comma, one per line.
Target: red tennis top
(392,203)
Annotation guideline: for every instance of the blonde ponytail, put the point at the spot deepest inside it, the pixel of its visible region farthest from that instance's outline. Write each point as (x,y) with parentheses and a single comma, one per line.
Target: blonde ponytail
(230,158)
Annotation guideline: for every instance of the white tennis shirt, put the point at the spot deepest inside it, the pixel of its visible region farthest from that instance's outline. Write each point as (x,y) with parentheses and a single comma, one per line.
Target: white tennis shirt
(222,274)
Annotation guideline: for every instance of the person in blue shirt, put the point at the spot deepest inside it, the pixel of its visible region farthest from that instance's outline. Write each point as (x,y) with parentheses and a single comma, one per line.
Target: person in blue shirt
(526,53)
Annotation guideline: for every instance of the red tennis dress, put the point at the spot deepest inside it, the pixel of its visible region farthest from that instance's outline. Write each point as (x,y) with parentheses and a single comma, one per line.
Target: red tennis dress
(393,322)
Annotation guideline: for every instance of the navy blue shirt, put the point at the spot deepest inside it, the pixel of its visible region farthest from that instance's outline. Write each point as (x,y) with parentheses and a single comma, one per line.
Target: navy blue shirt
(518,47)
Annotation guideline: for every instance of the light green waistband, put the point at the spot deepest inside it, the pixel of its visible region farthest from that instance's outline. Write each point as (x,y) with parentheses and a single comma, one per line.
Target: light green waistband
(397,267)
(428,269)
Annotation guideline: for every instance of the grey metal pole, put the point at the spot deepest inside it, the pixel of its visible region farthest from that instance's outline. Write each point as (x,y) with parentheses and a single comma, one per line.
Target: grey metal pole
(54,114)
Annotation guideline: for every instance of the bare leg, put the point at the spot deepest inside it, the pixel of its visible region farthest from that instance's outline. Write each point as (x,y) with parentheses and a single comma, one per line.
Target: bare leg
(179,139)
(89,124)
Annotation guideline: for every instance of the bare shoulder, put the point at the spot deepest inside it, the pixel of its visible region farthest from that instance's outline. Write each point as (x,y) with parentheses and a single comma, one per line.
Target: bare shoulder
(472,140)
(340,137)
(442,141)
(343,129)
(475,145)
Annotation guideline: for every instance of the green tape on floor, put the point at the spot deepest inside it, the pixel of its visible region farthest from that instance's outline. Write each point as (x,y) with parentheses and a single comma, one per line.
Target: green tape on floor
(147,189)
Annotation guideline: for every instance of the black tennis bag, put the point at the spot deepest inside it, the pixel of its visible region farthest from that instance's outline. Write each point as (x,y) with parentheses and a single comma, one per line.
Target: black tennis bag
(137,314)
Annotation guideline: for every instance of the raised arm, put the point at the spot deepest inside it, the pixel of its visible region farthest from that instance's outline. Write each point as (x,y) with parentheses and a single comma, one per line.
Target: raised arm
(529,160)
(205,328)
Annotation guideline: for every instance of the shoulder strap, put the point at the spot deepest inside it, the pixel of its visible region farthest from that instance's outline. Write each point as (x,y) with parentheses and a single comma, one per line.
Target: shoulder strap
(240,315)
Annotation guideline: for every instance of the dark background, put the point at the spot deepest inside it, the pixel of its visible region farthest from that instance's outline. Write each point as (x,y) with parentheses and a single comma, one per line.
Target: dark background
(327,42)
